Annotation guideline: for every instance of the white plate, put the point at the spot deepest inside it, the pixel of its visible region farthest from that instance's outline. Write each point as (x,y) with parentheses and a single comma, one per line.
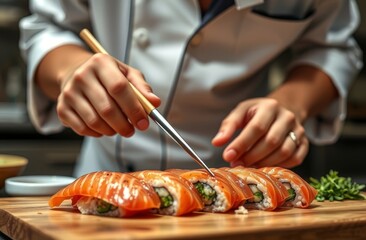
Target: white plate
(42,185)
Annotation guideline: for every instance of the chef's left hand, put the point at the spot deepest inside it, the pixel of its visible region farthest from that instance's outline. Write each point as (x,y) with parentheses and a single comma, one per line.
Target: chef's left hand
(264,135)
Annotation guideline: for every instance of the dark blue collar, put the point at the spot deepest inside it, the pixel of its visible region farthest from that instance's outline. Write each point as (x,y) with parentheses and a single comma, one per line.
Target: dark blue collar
(216,7)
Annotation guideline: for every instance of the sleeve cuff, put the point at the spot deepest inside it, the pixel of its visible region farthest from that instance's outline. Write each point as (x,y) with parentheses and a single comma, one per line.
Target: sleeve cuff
(42,111)
(326,128)
(340,66)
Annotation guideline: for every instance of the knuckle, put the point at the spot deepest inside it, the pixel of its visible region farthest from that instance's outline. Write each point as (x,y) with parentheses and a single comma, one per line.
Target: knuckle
(273,141)
(272,103)
(290,117)
(107,111)
(285,152)
(60,108)
(67,95)
(117,87)
(93,122)
(258,128)
(98,58)
(80,75)
(61,114)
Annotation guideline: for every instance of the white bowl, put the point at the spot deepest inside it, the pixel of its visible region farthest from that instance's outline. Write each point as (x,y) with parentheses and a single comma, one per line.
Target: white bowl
(41,185)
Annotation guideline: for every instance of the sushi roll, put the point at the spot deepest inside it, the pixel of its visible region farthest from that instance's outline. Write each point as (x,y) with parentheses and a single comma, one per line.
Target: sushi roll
(216,193)
(242,189)
(301,193)
(268,192)
(177,195)
(106,193)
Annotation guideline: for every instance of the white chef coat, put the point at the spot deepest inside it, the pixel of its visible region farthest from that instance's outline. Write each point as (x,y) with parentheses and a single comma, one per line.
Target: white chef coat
(200,68)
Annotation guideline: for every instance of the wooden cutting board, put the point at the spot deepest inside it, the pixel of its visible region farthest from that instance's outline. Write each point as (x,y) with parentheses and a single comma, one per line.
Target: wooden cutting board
(31,218)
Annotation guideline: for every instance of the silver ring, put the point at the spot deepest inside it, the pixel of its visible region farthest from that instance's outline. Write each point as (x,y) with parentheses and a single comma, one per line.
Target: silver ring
(294,138)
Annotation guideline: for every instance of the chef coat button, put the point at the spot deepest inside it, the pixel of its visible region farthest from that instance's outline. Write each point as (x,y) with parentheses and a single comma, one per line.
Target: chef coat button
(197,39)
(141,36)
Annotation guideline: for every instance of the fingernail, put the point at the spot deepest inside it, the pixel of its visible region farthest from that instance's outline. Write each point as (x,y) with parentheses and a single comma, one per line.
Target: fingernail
(230,155)
(142,124)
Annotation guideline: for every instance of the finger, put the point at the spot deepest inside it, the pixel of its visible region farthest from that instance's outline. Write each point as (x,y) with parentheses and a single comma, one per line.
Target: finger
(226,131)
(234,121)
(117,85)
(70,119)
(134,76)
(92,119)
(81,106)
(275,137)
(299,155)
(281,154)
(107,108)
(252,132)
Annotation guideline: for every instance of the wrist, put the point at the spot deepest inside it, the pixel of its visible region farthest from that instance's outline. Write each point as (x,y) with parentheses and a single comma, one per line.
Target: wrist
(306,91)
(69,66)
(291,103)
(52,72)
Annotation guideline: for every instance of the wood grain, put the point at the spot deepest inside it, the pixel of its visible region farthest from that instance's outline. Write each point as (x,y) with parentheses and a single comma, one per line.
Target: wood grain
(31,218)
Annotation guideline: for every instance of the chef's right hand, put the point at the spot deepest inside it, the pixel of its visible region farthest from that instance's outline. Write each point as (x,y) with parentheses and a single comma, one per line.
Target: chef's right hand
(96,98)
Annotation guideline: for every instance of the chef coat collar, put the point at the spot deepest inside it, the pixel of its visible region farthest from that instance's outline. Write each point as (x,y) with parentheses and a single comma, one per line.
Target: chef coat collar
(218,6)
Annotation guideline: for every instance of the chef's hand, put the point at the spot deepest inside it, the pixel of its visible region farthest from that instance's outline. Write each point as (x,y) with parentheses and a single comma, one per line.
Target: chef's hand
(263,139)
(96,98)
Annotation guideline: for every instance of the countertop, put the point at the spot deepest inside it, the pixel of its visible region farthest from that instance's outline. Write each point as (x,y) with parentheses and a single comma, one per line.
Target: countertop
(31,218)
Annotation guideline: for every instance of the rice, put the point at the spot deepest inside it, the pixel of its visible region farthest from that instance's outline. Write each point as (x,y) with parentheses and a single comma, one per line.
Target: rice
(88,205)
(220,203)
(298,201)
(241,210)
(266,202)
(171,210)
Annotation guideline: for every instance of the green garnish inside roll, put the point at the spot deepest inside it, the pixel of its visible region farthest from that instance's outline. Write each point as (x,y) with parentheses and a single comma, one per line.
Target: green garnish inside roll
(292,194)
(258,196)
(166,200)
(207,193)
(334,188)
(104,207)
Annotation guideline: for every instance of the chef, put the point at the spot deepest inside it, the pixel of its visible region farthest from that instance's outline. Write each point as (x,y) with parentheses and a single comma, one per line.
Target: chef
(204,64)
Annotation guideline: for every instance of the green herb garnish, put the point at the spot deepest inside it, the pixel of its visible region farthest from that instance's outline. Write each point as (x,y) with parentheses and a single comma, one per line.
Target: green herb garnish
(334,188)
(291,193)
(104,207)
(207,193)
(258,196)
(166,200)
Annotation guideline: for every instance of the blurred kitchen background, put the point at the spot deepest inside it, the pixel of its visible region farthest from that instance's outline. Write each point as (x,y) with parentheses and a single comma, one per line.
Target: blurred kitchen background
(53,154)
(56,154)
